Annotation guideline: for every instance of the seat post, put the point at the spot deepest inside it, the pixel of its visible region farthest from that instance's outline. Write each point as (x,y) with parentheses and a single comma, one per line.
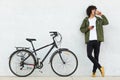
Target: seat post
(33,47)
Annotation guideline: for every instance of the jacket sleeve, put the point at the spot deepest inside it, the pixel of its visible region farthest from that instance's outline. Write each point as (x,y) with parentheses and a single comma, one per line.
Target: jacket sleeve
(104,20)
(83,27)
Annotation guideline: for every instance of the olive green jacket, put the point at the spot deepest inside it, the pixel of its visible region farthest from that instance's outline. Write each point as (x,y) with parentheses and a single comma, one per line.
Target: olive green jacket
(99,28)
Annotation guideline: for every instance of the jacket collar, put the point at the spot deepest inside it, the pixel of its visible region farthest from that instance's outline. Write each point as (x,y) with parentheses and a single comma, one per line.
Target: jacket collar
(95,16)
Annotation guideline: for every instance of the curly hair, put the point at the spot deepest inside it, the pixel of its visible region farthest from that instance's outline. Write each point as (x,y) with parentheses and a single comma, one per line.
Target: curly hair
(89,9)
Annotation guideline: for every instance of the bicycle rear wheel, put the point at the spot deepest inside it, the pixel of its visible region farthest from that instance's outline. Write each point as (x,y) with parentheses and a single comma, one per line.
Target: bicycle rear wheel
(22,63)
(64,63)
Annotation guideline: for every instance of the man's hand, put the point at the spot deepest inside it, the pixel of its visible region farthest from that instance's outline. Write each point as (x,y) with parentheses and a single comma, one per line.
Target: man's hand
(99,13)
(90,27)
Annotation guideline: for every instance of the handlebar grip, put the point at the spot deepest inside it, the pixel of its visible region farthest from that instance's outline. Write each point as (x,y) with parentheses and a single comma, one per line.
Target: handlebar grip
(53,33)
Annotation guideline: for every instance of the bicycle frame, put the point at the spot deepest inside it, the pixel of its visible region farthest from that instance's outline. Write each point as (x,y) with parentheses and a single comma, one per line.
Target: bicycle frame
(35,50)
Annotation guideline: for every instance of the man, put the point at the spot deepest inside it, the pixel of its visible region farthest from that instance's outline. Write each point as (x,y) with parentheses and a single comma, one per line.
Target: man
(92,27)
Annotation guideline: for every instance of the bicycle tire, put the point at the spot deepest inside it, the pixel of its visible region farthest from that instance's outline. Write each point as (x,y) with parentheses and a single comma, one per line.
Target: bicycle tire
(68,57)
(29,65)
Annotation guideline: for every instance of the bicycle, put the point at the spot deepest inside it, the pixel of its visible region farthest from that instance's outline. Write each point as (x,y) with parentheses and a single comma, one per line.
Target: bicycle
(24,61)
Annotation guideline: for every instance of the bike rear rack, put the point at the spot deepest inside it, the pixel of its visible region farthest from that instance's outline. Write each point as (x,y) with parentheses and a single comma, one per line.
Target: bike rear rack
(22,48)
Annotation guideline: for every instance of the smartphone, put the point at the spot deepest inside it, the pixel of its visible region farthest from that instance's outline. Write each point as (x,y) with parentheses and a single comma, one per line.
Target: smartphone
(92,26)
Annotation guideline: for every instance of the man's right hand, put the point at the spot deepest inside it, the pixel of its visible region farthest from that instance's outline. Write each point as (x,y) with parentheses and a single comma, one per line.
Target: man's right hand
(90,27)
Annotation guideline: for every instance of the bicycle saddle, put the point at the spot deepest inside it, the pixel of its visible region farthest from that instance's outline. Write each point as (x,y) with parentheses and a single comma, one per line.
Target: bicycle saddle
(30,40)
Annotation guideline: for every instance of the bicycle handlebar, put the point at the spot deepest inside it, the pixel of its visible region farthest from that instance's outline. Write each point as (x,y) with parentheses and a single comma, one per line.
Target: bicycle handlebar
(55,34)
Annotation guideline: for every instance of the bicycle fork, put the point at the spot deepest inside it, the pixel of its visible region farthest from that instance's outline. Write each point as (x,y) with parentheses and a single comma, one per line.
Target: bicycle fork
(59,52)
(61,57)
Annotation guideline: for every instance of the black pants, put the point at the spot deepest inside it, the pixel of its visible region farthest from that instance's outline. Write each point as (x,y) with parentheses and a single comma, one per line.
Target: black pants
(94,45)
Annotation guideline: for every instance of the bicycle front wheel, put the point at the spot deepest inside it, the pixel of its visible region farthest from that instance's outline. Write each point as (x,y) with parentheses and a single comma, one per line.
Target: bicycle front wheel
(64,63)
(22,63)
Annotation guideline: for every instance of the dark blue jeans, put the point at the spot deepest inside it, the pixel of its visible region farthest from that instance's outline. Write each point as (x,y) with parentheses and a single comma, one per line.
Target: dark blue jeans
(94,45)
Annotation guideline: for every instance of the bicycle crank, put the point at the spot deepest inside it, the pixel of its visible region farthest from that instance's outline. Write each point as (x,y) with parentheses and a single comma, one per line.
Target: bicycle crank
(39,66)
